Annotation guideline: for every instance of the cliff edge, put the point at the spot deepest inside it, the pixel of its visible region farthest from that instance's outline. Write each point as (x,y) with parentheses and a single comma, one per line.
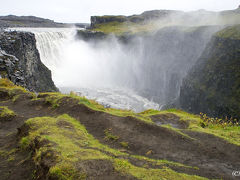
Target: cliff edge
(20,62)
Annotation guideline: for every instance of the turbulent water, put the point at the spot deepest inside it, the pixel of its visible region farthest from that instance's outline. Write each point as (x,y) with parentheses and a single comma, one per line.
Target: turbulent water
(133,75)
(94,72)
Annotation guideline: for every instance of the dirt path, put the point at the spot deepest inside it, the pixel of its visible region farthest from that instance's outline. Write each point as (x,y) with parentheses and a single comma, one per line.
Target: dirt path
(214,157)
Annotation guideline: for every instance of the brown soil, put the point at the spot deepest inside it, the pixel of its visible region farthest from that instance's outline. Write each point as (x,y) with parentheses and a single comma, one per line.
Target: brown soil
(214,157)
(169,119)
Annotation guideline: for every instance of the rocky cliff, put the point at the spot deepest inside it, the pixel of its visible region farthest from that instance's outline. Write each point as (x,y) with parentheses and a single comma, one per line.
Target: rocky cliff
(20,62)
(213,84)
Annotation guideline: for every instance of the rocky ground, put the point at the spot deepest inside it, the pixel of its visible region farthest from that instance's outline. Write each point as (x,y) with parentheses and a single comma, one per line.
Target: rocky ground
(74,138)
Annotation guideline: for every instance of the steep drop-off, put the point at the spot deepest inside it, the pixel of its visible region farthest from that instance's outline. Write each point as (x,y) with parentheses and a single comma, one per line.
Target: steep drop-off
(213,84)
(154,64)
(20,62)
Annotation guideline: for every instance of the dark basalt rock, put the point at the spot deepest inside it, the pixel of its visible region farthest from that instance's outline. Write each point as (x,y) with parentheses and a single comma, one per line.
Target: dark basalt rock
(20,62)
(9,69)
(94,36)
(90,35)
(213,84)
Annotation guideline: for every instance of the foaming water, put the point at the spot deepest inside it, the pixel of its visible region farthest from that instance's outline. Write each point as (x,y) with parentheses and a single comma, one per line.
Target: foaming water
(118,98)
(102,72)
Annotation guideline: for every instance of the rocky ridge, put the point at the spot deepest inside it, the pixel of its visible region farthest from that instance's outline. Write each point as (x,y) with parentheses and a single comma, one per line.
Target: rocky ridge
(20,62)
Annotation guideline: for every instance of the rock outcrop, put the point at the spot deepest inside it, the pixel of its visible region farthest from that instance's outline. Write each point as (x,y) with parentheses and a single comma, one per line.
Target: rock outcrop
(213,85)
(9,69)
(90,35)
(20,62)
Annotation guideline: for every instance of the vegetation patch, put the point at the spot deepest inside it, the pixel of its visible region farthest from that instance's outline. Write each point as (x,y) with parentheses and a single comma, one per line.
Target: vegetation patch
(6,113)
(227,129)
(231,134)
(65,146)
(125,167)
(110,136)
(231,32)
(120,28)
(11,91)
(124,144)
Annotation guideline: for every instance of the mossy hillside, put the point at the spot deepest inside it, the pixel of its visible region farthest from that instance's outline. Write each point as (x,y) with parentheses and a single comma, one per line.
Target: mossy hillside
(150,174)
(13,91)
(229,133)
(232,32)
(67,142)
(42,141)
(6,112)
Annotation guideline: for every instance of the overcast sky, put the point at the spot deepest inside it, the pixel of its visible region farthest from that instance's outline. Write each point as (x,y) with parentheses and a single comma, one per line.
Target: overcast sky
(81,10)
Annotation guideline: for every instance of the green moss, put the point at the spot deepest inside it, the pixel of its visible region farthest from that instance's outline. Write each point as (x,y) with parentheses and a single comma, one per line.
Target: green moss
(68,139)
(178,131)
(3,153)
(14,91)
(67,142)
(124,144)
(232,32)
(24,143)
(9,155)
(55,99)
(125,167)
(5,112)
(6,83)
(124,27)
(110,136)
(230,134)
(66,172)
(14,99)
(161,162)
(194,121)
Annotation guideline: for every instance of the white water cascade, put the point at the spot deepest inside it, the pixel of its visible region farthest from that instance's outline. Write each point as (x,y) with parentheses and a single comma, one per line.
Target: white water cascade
(98,72)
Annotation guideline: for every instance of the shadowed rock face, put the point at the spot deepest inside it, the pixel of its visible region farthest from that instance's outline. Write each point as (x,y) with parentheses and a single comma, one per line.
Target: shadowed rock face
(212,86)
(9,68)
(21,63)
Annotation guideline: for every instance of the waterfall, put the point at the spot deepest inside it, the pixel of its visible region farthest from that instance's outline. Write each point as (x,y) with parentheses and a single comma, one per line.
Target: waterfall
(123,75)
(51,44)
(98,72)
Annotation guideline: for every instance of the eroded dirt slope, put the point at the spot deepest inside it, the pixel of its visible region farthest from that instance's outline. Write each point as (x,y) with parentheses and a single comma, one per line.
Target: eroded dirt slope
(201,154)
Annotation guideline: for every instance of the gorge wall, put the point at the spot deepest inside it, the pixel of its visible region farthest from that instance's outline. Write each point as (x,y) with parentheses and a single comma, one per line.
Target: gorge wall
(152,64)
(213,84)
(20,62)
